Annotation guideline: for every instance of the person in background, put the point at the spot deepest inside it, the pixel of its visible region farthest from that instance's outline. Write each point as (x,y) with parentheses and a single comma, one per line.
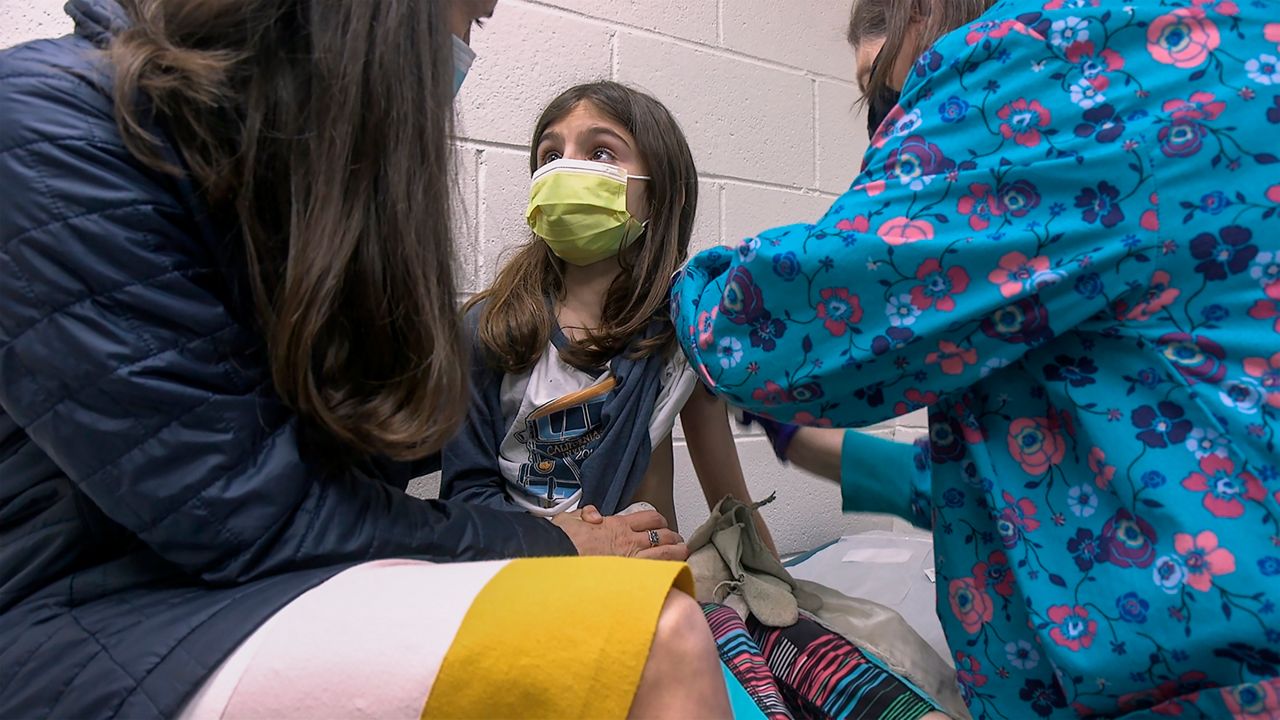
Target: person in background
(577,380)
(1063,244)
(228,341)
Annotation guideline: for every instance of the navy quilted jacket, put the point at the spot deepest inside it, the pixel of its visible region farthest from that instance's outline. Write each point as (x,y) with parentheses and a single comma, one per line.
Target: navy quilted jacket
(154,505)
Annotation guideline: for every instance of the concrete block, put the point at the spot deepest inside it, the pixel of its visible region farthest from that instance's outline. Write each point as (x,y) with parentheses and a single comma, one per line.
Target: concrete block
(466,216)
(806,34)
(750,210)
(504,197)
(743,119)
(706,227)
(525,56)
(688,19)
(426,487)
(842,136)
(26,20)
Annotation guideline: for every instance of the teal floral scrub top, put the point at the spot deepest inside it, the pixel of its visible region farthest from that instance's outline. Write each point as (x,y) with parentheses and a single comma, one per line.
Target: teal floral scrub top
(1065,243)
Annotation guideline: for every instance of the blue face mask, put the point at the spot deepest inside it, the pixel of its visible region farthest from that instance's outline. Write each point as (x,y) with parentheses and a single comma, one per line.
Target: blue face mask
(463,56)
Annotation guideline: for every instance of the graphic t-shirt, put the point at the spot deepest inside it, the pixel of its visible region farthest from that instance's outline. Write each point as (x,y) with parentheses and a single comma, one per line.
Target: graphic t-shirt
(554,417)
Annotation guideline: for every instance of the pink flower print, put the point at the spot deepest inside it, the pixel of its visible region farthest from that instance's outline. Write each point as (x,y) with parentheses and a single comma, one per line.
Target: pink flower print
(808,419)
(1022,120)
(1253,700)
(970,603)
(706,328)
(872,188)
(1016,520)
(914,400)
(1268,374)
(1200,106)
(1266,310)
(978,205)
(771,394)
(1159,296)
(1073,629)
(1224,489)
(1203,559)
(1183,38)
(952,357)
(855,224)
(995,573)
(904,231)
(993,29)
(1272,32)
(1016,272)
(1036,444)
(938,287)
(1103,473)
(1092,63)
(969,671)
(839,310)
(1150,219)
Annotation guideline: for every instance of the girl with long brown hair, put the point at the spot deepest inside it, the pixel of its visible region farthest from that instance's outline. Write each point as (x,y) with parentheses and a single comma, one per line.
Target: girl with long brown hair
(228,341)
(577,379)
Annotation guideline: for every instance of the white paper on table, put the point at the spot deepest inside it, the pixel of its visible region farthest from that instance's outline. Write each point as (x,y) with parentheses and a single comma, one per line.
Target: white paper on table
(880,556)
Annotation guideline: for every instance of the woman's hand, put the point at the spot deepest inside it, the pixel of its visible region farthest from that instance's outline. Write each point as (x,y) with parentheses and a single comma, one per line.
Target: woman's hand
(624,535)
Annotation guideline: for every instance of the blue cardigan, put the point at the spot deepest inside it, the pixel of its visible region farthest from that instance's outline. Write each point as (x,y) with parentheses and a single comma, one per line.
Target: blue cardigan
(155,507)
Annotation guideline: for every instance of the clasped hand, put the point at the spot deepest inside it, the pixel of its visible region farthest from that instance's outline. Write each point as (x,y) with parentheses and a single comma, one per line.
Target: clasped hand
(624,535)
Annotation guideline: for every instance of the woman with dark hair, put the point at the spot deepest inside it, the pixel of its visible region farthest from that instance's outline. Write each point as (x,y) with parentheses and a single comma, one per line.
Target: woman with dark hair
(228,341)
(1063,243)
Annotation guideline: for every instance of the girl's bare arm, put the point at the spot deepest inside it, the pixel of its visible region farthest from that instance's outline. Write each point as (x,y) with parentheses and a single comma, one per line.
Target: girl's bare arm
(714,454)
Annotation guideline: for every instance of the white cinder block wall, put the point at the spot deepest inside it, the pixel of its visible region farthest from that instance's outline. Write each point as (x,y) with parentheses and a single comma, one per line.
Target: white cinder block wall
(762,89)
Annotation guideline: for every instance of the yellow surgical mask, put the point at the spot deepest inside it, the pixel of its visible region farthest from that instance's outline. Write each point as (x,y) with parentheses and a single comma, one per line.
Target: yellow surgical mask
(579,208)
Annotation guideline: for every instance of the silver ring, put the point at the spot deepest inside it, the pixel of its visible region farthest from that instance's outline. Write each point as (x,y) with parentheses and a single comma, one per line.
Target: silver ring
(653,539)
